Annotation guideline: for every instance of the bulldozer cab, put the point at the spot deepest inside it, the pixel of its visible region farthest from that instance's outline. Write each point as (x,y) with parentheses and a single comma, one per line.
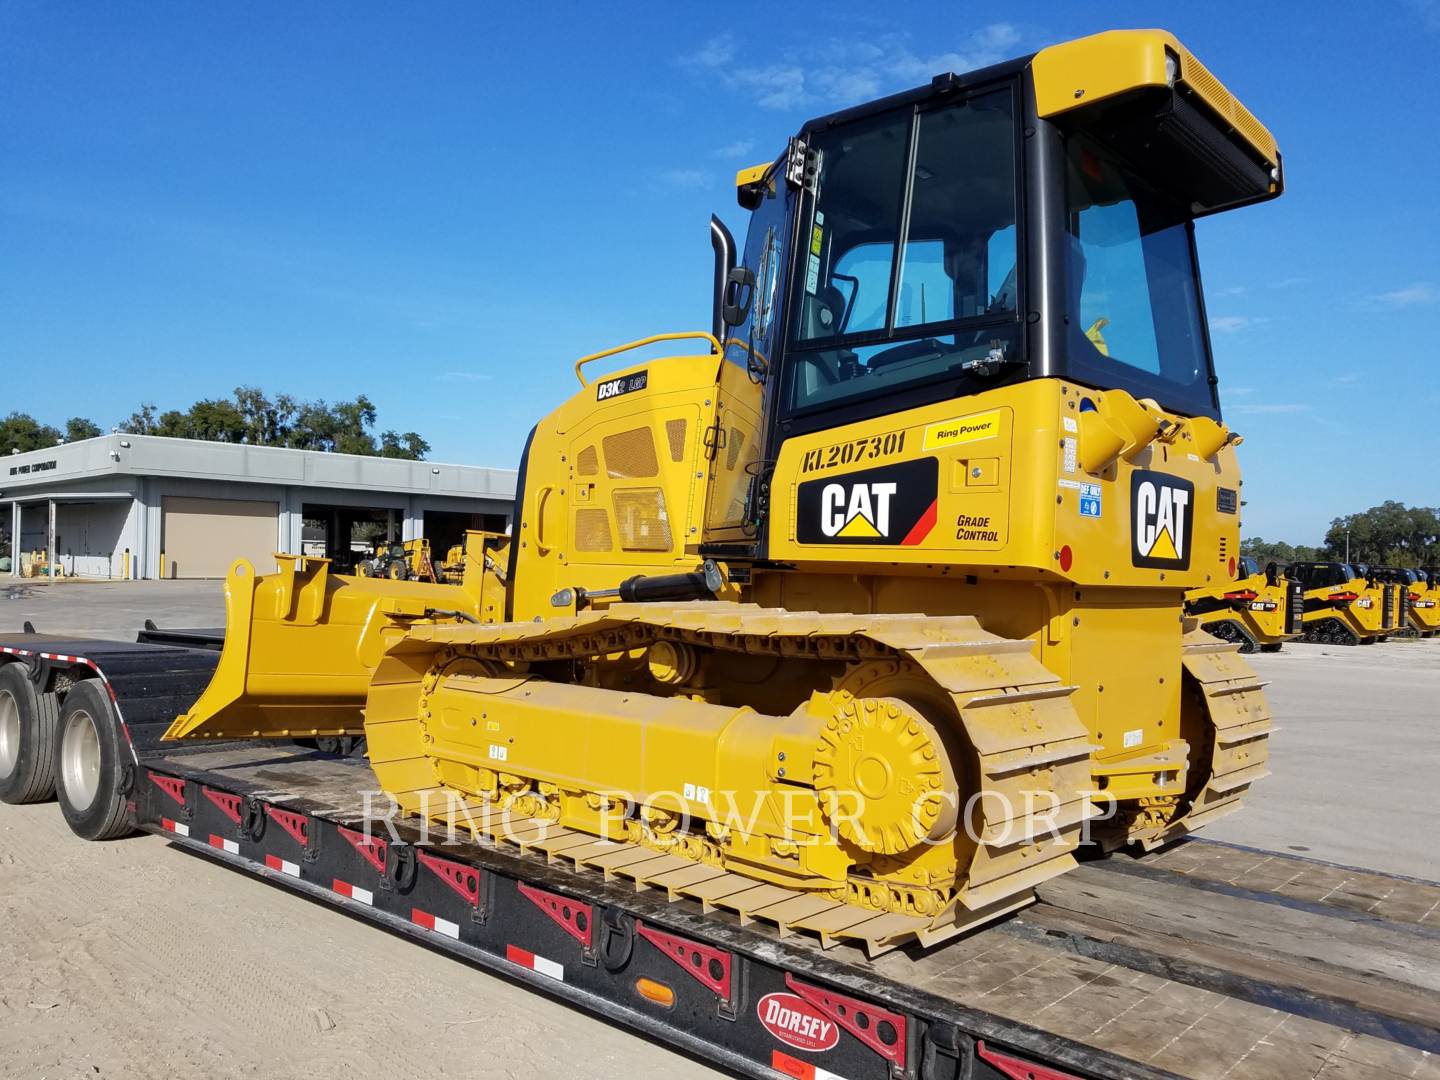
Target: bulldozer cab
(1032,221)
(962,237)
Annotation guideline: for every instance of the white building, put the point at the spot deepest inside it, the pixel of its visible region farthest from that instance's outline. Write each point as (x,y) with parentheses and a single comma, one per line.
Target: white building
(143,506)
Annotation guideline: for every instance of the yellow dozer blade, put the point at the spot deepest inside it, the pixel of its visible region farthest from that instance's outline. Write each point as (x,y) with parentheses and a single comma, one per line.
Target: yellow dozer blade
(300,646)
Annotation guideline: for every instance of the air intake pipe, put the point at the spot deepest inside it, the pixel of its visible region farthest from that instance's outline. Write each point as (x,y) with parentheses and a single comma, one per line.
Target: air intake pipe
(724,245)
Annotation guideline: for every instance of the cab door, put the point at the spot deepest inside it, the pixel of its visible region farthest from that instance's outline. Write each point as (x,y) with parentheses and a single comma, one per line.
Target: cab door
(733,443)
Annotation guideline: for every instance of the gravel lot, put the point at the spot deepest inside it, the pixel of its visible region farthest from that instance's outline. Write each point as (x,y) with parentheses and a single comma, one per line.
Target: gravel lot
(135,959)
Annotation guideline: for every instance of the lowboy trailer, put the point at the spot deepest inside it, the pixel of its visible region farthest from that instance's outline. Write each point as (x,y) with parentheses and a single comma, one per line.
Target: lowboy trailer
(1279,966)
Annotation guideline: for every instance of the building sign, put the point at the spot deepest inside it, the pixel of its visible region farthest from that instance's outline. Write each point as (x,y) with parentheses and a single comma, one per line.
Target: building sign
(39,466)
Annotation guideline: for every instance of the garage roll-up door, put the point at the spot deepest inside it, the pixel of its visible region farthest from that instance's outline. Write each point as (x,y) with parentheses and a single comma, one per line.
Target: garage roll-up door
(202,537)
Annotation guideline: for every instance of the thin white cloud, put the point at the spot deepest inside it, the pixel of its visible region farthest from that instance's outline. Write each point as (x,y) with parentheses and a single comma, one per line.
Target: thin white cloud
(717,52)
(1237,391)
(1229,290)
(1233,324)
(738,149)
(688,179)
(463,377)
(1342,380)
(1429,12)
(831,72)
(1270,409)
(1289,282)
(1421,292)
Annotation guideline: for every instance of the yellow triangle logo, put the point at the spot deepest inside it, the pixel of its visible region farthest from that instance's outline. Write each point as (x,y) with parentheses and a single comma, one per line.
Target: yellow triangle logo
(858,526)
(1164,547)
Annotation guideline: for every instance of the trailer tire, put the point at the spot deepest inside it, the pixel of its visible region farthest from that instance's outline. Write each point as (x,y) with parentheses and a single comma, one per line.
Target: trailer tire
(29,723)
(90,759)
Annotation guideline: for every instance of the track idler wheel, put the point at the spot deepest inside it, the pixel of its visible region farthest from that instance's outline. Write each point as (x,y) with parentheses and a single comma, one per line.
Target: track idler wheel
(884,778)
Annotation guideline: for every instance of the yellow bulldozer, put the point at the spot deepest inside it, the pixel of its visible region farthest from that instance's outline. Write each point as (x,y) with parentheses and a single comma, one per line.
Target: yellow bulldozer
(858,620)
(1259,611)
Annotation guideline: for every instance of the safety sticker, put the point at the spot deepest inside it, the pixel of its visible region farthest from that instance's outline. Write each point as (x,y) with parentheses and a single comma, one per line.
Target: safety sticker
(1132,738)
(1068,422)
(812,274)
(1090,500)
(1070,453)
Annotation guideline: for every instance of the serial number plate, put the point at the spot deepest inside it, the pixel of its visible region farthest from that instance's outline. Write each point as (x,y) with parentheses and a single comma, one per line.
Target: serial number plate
(855,450)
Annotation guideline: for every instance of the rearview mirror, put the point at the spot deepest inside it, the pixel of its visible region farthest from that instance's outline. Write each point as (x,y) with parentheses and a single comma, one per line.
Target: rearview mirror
(739,292)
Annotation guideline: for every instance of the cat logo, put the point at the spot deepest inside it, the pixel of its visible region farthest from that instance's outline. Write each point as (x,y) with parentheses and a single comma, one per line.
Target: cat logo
(1162,521)
(895,504)
(865,512)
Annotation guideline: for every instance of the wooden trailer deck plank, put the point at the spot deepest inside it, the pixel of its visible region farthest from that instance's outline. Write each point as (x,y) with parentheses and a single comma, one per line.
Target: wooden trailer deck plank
(1191,903)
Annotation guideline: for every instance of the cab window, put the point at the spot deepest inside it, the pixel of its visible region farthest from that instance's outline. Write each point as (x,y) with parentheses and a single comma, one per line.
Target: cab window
(909,250)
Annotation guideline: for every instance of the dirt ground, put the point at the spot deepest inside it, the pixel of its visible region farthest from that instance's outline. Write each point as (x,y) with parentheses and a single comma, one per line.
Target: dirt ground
(134,959)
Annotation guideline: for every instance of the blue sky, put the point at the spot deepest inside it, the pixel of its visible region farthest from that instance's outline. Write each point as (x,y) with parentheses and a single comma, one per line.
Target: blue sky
(443,209)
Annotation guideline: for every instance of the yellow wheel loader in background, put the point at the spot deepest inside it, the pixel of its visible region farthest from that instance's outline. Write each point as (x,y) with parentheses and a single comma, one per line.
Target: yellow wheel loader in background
(1259,610)
(1344,605)
(853,621)
(399,560)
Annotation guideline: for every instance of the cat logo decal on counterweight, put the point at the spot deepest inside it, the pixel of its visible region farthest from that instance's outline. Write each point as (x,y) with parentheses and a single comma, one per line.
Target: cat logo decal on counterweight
(1161,520)
(895,504)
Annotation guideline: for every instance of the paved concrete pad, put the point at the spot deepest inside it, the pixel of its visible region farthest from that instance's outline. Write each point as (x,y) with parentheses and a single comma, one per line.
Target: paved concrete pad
(108,609)
(1356,764)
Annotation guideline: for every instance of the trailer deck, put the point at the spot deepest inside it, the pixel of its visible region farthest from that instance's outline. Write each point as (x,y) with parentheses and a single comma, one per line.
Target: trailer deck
(1203,960)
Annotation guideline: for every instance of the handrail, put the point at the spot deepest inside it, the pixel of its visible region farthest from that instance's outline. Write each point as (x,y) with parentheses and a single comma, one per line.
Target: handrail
(684,334)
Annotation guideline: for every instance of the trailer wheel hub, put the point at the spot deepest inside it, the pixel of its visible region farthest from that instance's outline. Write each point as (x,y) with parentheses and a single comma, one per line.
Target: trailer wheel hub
(80,759)
(9,732)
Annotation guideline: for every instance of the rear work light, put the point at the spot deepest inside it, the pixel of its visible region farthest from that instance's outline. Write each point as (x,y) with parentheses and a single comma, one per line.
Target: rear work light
(1346,597)
(1242,594)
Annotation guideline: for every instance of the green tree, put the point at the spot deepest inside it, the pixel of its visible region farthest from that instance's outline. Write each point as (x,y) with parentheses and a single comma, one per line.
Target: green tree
(217,421)
(353,421)
(173,424)
(20,432)
(77,428)
(141,421)
(410,445)
(251,417)
(1391,534)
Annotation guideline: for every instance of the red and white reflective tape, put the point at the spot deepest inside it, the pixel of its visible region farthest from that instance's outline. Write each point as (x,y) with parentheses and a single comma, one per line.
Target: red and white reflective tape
(426,921)
(46,655)
(64,659)
(353,892)
(801,1070)
(221,844)
(538,964)
(178,828)
(282,866)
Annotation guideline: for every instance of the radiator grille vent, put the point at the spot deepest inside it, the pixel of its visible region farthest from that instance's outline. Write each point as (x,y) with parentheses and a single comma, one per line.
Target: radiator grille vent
(675,432)
(592,530)
(641,519)
(631,454)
